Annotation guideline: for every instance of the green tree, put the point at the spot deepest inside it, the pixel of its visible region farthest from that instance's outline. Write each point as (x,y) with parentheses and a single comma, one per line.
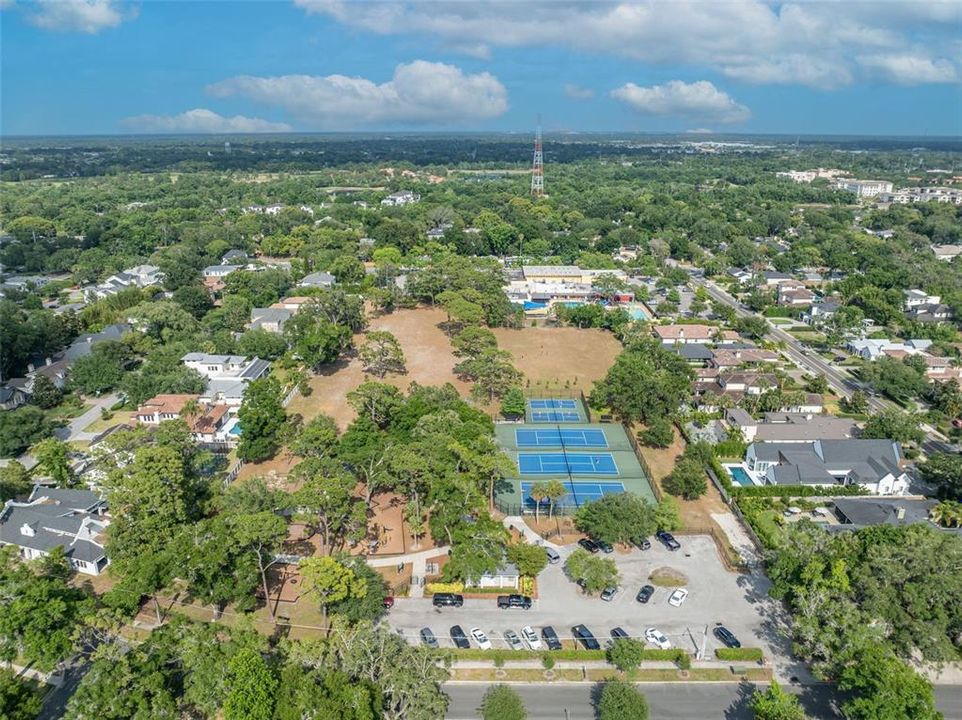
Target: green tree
(18,699)
(252,688)
(44,393)
(97,372)
(327,495)
(262,417)
(753,326)
(775,704)
(513,403)
(597,572)
(472,341)
(945,471)
(492,373)
(659,434)
(477,548)
(886,688)
(317,439)
(538,493)
(894,425)
(53,458)
(376,401)
(817,384)
(14,481)
(529,559)
(622,518)
(555,490)
(626,654)
(330,581)
(381,354)
(501,702)
(21,428)
(857,403)
(687,480)
(621,701)
(667,516)
(261,343)
(647,382)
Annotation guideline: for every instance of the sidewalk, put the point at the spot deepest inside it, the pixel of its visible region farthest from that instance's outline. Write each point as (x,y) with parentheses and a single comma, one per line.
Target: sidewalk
(518,523)
(418,560)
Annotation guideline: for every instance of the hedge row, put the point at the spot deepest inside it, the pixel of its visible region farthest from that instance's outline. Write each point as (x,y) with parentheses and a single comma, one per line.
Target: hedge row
(739,654)
(651,654)
(796,491)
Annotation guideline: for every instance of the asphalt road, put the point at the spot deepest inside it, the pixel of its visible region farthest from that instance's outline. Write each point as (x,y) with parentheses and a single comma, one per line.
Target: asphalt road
(667,701)
(840,381)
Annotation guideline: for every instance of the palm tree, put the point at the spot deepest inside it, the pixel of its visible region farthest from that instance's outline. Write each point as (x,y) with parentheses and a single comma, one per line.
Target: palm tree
(947,513)
(555,491)
(538,493)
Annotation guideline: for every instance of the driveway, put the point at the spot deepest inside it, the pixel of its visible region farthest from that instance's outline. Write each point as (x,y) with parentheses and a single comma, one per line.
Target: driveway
(740,602)
(75,430)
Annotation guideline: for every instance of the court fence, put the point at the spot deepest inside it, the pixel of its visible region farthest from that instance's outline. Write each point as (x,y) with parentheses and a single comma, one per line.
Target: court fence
(636,446)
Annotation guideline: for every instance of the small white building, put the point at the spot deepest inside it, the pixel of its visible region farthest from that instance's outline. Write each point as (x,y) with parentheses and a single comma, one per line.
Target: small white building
(404,197)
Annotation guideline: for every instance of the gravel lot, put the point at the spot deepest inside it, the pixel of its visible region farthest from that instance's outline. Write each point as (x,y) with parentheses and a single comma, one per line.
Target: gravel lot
(715,595)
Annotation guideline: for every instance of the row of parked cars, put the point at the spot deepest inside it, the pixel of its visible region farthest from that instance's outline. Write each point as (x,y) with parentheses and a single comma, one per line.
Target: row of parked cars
(505,602)
(665,538)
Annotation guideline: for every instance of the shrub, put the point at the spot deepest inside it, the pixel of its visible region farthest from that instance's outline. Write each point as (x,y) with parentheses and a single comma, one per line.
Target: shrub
(442,587)
(547,661)
(797,491)
(626,654)
(683,660)
(739,654)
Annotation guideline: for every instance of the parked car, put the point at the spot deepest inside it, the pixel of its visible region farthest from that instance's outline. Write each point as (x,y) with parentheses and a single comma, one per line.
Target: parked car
(726,636)
(677,597)
(531,637)
(644,544)
(582,583)
(388,602)
(447,600)
(459,638)
(514,642)
(644,595)
(606,547)
(589,545)
(657,638)
(668,540)
(553,557)
(514,601)
(481,639)
(428,639)
(618,633)
(587,639)
(550,638)
(608,594)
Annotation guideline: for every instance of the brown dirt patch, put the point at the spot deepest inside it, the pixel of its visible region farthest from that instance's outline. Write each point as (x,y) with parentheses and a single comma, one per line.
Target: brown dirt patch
(667,577)
(559,530)
(560,357)
(428,355)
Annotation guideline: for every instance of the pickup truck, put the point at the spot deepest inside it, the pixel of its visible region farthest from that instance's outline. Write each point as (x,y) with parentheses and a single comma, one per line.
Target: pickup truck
(514,601)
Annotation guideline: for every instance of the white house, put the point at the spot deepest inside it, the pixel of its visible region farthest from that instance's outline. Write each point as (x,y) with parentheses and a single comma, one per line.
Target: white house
(404,197)
(864,188)
(919,297)
(875,465)
(947,252)
(52,518)
(220,271)
(140,276)
(227,375)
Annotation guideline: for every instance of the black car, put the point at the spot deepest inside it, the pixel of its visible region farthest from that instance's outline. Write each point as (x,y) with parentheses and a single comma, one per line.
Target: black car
(427,637)
(619,634)
(644,595)
(668,540)
(589,545)
(514,601)
(644,544)
(584,635)
(605,546)
(448,600)
(550,638)
(726,636)
(459,638)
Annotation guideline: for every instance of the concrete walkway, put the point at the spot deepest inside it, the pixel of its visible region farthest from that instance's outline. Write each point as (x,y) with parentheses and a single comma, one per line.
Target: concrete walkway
(75,430)
(419,566)
(518,523)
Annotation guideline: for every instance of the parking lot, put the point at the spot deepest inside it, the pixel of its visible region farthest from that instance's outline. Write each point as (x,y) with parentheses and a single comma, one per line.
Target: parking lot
(715,596)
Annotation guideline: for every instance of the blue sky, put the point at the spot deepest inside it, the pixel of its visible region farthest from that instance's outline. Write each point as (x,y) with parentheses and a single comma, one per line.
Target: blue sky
(109,66)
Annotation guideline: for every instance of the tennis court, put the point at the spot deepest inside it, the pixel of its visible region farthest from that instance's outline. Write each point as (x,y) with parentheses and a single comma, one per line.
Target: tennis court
(578,493)
(566,464)
(555,410)
(560,437)
(554,404)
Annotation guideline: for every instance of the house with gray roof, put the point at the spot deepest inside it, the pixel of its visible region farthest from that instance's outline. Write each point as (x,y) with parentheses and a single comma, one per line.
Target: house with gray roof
(878,466)
(270,319)
(227,375)
(52,518)
(317,279)
(789,427)
(857,513)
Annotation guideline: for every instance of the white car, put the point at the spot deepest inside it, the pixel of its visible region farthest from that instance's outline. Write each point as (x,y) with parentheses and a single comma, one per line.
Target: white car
(531,637)
(657,638)
(481,639)
(678,597)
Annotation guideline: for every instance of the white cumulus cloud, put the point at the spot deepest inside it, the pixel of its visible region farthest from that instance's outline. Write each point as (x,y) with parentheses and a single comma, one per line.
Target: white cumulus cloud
(911,69)
(576,92)
(677,98)
(420,92)
(85,16)
(814,43)
(202,121)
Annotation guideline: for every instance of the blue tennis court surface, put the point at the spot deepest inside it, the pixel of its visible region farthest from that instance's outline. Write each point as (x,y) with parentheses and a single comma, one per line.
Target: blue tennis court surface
(561,437)
(553,404)
(566,464)
(578,493)
(553,416)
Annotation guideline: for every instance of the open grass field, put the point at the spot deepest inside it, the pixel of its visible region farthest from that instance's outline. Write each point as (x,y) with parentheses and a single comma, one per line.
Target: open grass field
(555,356)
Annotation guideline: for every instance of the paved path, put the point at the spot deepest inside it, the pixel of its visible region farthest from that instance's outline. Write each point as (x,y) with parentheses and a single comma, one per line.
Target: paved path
(419,564)
(75,430)
(518,523)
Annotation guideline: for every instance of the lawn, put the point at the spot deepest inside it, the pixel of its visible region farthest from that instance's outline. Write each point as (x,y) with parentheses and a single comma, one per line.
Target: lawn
(119,417)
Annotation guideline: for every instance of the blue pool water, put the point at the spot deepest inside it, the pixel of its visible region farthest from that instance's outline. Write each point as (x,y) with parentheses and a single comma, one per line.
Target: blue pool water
(740,476)
(236,430)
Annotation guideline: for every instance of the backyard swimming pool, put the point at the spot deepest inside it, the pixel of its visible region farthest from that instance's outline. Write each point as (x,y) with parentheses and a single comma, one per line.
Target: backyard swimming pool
(739,475)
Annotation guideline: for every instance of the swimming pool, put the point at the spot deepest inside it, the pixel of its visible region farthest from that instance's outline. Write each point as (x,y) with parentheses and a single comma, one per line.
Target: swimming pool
(235,430)
(637,311)
(739,475)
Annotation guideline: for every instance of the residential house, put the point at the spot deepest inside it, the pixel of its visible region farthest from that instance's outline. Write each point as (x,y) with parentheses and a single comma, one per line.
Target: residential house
(773,277)
(810,404)
(742,276)
(737,358)
(208,424)
(273,209)
(50,518)
(139,276)
(794,295)
(875,465)
(789,427)
(227,375)
(858,513)
(506,576)
(934,313)
(872,349)
(234,257)
(216,272)
(905,196)
(317,280)
(694,354)
(915,298)
(947,252)
(864,188)
(293,303)
(685,334)
(821,312)
(404,197)
(270,319)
